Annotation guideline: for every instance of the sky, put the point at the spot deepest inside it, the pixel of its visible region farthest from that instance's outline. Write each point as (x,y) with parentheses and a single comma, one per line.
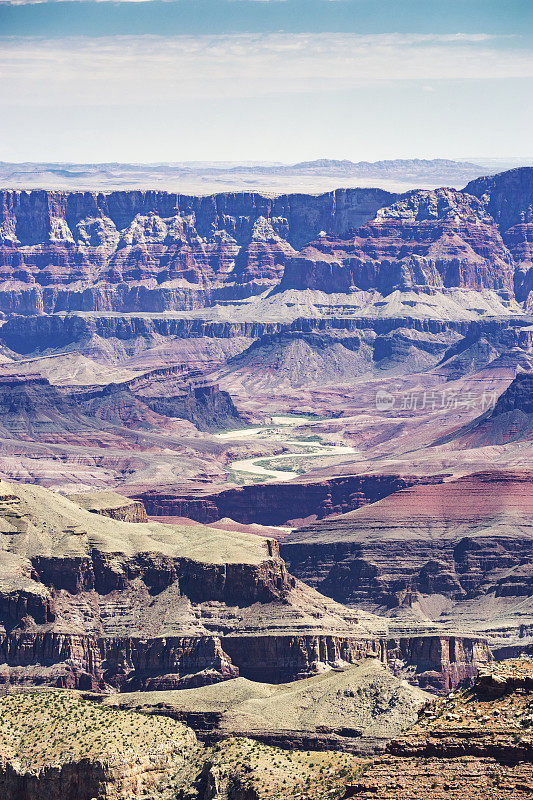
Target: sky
(265,80)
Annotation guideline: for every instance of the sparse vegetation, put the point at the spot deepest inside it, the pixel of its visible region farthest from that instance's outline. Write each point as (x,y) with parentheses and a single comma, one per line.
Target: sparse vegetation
(56,727)
(41,728)
(288,774)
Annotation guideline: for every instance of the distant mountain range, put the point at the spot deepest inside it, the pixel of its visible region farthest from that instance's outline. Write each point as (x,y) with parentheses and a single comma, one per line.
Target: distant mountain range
(211,177)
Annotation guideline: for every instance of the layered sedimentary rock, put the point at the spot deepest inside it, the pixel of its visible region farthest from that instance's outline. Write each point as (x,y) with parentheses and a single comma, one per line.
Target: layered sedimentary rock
(437,663)
(127,335)
(491,344)
(510,420)
(472,746)
(277,503)
(355,709)
(91,602)
(110,504)
(436,239)
(60,744)
(441,555)
(475,745)
(31,405)
(151,251)
(508,197)
(157,251)
(180,391)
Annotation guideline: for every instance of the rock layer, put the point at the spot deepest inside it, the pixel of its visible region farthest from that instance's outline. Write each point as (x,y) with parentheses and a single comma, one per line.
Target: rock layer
(436,239)
(91,602)
(151,251)
(429,554)
(476,745)
(276,503)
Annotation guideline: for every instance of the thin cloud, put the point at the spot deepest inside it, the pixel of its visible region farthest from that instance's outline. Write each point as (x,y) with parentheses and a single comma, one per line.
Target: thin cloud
(149,69)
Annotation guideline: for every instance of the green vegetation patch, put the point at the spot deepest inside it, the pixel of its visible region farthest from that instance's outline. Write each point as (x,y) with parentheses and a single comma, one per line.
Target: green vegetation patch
(43,728)
(270,772)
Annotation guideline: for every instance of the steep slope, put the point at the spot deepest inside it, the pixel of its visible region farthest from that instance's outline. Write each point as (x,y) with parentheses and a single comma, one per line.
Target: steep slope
(436,239)
(93,600)
(489,345)
(476,745)
(356,709)
(110,504)
(511,419)
(70,369)
(152,251)
(472,746)
(60,744)
(31,405)
(88,601)
(508,197)
(299,360)
(454,554)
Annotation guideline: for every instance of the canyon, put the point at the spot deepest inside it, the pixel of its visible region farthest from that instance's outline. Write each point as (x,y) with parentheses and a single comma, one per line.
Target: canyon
(475,744)
(260,454)
(91,602)
(422,555)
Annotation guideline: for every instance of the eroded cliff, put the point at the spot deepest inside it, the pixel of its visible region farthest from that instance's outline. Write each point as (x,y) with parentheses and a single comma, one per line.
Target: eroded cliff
(92,602)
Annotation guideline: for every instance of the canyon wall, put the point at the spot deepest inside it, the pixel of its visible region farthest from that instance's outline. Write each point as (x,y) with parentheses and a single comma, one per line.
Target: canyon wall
(155,251)
(275,503)
(426,239)
(388,552)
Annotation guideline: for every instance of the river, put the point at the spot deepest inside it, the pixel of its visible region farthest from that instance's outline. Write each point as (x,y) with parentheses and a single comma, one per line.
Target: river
(252,466)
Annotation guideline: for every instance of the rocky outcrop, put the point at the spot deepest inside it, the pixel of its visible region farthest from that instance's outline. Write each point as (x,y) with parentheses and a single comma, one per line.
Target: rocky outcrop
(30,404)
(142,251)
(475,744)
(508,197)
(188,397)
(181,391)
(110,504)
(436,663)
(126,664)
(275,503)
(489,344)
(27,397)
(510,420)
(88,778)
(384,550)
(129,664)
(93,601)
(405,554)
(25,335)
(276,659)
(90,602)
(426,239)
(154,251)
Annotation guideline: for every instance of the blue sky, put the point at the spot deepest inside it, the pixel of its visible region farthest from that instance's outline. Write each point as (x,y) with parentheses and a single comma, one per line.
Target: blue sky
(273,80)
